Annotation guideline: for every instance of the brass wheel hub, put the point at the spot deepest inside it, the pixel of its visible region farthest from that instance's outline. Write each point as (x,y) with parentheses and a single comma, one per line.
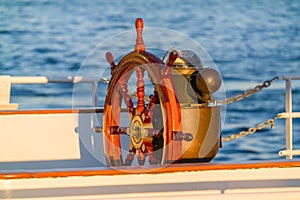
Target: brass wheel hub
(137,132)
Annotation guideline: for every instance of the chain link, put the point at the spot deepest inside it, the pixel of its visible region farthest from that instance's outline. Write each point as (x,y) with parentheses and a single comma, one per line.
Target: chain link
(252,130)
(248,93)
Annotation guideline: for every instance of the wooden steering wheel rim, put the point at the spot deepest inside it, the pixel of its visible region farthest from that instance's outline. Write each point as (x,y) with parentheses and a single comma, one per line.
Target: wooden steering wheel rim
(167,97)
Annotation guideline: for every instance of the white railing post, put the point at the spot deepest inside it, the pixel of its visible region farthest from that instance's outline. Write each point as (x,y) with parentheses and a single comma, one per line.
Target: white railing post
(95,93)
(5,89)
(289,120)
(289,115)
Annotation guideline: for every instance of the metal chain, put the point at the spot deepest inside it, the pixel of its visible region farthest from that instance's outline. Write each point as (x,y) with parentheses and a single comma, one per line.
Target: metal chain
(248,93)
(252,130)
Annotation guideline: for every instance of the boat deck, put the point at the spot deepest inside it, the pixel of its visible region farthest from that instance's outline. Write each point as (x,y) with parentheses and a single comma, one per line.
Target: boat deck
(171,168)
(273,180)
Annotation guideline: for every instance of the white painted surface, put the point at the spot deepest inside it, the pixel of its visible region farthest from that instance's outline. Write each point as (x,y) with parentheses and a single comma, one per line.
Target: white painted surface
(5,85)
(45,79)
(271,183)
(5,88)
(38,137)
(293,115)
(289,121)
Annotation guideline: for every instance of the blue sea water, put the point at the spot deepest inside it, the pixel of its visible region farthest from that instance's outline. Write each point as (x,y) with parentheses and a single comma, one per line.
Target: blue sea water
(249,41)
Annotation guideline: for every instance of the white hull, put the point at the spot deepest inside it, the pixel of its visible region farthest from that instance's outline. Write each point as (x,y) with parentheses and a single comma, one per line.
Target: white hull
(209,182)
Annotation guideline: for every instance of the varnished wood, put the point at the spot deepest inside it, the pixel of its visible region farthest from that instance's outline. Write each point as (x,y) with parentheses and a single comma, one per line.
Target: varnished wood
(140,85)
(110,59)
(150,170)
(153,65)
(172,57)
(139,25)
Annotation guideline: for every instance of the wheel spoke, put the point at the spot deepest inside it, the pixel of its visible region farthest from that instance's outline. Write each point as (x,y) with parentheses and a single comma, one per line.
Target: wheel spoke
(123,90)
(140,156)
(150,108)
(130,156)
(145,132)
(140,90)
(118,130)
(152,159)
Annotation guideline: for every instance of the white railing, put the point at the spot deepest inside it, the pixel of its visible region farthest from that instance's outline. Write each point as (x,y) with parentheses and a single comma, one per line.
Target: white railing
(7,81)
(289,115)
(44,79)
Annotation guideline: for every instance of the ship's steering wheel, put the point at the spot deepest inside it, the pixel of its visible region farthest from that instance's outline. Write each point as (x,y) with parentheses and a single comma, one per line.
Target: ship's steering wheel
(154,128)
